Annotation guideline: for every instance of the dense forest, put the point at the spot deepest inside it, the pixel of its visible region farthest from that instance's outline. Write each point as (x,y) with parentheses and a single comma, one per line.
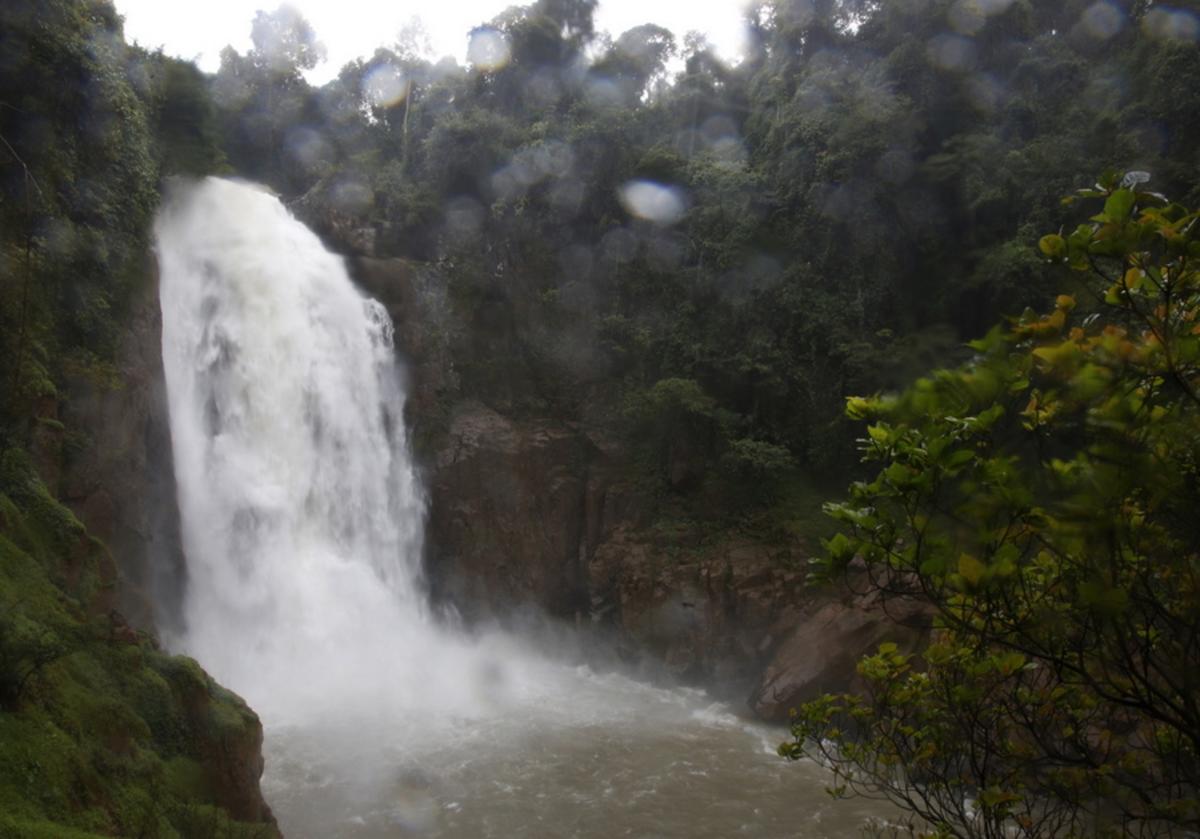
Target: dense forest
(704,261)
(710,259)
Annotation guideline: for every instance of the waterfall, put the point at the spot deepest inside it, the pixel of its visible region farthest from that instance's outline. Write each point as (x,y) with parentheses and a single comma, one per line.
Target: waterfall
(302,527)
(301,514)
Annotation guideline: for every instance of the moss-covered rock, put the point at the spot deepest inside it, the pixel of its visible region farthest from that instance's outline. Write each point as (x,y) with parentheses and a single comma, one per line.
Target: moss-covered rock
(101,732)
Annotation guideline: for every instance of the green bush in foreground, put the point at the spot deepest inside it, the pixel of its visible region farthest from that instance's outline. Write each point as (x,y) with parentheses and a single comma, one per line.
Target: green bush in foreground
(1042,500)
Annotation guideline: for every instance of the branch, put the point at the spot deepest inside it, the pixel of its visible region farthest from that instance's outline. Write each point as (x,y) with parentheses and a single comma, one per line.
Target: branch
(28,173)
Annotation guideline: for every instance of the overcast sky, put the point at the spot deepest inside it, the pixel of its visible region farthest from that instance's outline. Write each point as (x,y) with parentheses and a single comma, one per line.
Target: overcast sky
(351,28)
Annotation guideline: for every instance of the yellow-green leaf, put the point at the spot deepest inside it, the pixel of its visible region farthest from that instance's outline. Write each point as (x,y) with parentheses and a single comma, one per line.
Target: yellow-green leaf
(1053,246)
(971,569)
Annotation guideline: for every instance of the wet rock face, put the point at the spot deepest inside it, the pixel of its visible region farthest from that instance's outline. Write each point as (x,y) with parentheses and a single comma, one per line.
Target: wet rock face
(117,474)
(708,613)
(820,654)
(536,514)
(417,301)
(225,737)
(507,514)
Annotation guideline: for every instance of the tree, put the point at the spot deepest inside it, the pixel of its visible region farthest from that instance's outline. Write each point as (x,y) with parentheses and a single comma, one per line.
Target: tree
(185,120)
(26,648)
(637,59)
(284,42)
(1041,499)
(267,107)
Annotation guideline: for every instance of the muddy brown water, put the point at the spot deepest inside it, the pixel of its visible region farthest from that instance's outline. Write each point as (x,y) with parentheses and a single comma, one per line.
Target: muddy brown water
(612,758)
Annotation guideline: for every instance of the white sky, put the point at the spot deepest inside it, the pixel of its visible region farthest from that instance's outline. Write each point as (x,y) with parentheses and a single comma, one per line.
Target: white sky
(199,29)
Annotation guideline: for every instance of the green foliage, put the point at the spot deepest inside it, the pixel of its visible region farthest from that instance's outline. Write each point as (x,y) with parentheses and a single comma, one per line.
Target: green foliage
(1040,499)
(670,401)
(677,424)
(757,458)
(186,130)
(78,175)
(284,42)
(265,105)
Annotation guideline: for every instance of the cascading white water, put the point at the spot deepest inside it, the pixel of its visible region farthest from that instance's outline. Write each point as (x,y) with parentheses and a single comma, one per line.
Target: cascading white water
(302,531)
(301,515)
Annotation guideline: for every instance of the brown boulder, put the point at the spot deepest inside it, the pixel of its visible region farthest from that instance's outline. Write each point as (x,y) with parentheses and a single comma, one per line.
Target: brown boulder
(507,513)
(707,611)
(821,653)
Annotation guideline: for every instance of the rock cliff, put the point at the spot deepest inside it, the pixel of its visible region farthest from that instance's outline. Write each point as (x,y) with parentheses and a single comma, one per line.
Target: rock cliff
(539,511)
(118,476)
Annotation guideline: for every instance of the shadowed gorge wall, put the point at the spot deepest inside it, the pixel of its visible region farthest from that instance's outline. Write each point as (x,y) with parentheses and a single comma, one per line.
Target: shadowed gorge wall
(541,515)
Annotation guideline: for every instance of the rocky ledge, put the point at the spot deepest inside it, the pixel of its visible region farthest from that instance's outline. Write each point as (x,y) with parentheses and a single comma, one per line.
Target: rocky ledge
(535,513)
